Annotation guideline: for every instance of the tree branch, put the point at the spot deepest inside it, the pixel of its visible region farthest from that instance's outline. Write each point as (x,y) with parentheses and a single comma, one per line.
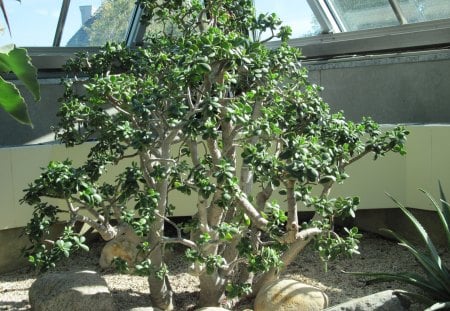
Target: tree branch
(148,178)
(214,150)
(202,203)
(186,242)
(263,196)
(106,231)
(326,189)
(303,239)
(259,221)
(292,222)
(356,158)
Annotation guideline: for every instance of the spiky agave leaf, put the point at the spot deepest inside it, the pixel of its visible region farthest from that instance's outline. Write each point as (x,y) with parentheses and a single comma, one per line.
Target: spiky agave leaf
(437,279)
(439,306)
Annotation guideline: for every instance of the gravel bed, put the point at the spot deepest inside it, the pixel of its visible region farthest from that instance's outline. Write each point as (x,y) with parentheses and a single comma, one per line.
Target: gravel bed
(377,254)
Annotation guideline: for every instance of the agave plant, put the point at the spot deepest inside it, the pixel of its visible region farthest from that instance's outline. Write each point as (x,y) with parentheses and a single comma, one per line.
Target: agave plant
(436,281)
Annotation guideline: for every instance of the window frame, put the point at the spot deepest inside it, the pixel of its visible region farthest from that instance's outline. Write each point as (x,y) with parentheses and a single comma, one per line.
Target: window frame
(417,36)
(53,58)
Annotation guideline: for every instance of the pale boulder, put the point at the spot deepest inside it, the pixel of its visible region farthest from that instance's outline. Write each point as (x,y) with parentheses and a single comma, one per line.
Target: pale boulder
(290,295)
(387,300)
(74,291)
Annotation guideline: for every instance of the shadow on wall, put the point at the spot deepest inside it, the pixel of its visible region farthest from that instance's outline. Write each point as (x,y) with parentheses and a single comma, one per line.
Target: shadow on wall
(42,114)
(397,88)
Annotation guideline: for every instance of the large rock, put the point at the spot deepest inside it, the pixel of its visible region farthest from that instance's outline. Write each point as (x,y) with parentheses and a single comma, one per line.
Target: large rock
(383,301)
(74,291)
(290,295)
(212,309)
(124,246)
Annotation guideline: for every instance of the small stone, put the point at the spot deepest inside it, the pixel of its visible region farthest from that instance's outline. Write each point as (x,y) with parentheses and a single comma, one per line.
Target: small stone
(290,295)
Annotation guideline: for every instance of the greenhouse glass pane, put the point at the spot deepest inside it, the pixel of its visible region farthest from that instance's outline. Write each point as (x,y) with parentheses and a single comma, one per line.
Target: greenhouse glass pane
(416,11)
(296,14)
(364,14)
(94,22)
(88,22)
(32,22)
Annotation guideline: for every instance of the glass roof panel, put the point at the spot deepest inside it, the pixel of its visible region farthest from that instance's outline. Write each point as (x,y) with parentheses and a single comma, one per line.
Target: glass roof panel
(363,14)
(94,22)
(88,22)
(33,23)
(296,14)
(416,11)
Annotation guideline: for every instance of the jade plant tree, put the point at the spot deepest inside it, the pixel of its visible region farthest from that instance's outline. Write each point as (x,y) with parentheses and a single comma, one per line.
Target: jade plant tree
(203,109)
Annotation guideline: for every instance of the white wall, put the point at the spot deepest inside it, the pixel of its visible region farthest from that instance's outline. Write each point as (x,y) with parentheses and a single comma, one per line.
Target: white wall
(427,162)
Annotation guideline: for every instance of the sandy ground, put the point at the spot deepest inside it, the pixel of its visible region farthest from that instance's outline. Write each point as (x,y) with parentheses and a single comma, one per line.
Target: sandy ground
(377,254)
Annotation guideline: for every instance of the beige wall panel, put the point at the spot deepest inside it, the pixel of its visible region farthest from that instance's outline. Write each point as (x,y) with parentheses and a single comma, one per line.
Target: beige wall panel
(426,162)
(7,203)
(419,163)
(440,164)
(25,165)
(370,180)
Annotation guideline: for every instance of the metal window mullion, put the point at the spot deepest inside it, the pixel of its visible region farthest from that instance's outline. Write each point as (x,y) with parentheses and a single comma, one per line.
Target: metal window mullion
(335,14)
(324,16)
(136,30)
(398,12)
(61,22)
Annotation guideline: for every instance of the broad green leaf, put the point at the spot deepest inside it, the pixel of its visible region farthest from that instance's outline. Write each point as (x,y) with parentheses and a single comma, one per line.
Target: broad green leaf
(13,103)
(16,60)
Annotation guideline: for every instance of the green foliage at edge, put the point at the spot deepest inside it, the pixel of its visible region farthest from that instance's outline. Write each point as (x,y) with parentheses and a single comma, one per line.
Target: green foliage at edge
(17,61)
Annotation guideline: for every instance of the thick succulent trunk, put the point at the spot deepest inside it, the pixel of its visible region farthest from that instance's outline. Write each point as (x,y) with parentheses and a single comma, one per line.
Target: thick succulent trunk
(160,289)
(212,287)
(303,239)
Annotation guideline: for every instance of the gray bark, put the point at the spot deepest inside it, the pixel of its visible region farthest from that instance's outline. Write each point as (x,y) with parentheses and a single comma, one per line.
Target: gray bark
(212,287)
(160,289)
(303,239)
